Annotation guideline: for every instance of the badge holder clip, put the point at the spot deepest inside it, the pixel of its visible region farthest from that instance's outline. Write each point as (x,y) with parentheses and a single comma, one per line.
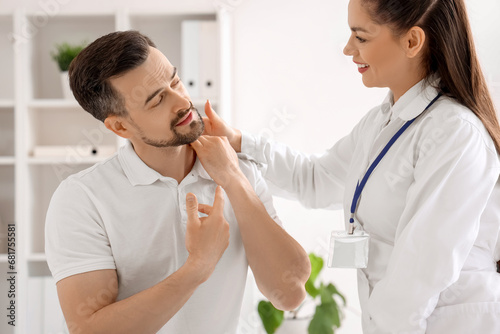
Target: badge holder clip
(348,250)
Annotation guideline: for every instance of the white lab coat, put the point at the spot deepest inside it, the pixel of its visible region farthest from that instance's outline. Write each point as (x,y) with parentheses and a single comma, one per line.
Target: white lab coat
(432,208)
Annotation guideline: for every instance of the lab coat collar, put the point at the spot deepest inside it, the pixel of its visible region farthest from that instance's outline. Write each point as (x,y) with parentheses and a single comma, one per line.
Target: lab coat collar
(386,105)
(138,173)
(413,102)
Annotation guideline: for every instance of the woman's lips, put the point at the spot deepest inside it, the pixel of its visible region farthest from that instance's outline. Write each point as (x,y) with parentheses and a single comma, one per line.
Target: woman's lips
(186,120)
(362,68)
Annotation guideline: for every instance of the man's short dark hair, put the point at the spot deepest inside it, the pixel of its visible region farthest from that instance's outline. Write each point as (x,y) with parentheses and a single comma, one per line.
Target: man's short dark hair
(109,56)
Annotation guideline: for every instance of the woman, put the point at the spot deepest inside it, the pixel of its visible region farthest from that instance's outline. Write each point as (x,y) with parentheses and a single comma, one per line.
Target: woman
(432,205)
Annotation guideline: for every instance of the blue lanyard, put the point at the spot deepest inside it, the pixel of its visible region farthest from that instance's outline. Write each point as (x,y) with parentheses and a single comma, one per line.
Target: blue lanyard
(360,186)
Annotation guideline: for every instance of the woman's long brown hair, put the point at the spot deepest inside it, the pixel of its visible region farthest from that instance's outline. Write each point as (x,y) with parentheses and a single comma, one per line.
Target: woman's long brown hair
(450,54)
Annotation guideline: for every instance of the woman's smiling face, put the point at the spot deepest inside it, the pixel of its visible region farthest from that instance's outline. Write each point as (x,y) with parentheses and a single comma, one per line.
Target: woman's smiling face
(381,57)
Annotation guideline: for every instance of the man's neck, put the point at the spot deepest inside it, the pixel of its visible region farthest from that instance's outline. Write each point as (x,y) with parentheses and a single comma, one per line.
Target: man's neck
(174,162)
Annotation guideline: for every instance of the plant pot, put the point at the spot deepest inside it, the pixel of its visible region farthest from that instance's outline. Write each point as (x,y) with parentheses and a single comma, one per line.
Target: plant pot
(67,93)
(294,326)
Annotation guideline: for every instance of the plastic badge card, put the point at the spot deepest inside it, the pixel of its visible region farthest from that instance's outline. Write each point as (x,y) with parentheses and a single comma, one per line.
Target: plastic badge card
(348,250)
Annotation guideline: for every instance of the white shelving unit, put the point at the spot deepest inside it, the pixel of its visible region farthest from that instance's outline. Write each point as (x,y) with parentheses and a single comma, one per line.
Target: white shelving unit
(33,113)
(8,162)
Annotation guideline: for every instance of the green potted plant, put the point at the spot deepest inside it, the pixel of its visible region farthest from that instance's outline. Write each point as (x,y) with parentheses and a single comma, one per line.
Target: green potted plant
(327,314)
(63,55)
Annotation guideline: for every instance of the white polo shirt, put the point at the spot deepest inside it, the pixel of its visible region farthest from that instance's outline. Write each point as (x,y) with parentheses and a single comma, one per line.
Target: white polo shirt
(120,214)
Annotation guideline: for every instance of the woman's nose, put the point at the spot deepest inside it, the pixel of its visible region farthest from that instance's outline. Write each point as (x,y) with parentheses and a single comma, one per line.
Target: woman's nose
(348,49)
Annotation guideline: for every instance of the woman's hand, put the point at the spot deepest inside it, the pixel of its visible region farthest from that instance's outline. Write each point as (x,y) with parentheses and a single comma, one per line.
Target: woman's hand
(219,159)
(215,126)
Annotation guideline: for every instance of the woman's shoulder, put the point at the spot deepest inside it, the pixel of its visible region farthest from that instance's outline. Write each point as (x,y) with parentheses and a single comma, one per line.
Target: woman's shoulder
(449,109)
(451,117)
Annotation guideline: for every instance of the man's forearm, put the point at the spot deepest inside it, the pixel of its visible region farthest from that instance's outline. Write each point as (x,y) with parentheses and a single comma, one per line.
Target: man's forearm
(280,265)
(147,311)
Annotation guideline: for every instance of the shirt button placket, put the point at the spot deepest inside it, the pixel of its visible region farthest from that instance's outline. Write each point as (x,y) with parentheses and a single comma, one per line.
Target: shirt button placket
(181,198)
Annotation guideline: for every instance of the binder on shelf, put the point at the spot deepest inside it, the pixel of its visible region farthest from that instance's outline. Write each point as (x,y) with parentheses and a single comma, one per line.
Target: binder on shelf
(200,66)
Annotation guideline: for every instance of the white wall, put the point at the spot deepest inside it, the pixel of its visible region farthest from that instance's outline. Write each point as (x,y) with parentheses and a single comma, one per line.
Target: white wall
(288,59)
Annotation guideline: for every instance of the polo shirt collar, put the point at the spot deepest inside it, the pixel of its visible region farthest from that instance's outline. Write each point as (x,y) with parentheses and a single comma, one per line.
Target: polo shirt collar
(199,170)
(138,173)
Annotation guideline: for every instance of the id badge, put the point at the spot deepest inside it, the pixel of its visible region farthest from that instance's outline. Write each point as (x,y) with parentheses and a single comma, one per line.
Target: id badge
(348,250)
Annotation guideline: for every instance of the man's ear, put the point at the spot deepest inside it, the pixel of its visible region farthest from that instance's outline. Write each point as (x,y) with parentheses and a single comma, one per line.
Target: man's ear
(414,42)
(118,125)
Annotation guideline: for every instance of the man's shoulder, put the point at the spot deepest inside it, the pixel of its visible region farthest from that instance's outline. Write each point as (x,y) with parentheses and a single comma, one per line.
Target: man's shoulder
(97,175)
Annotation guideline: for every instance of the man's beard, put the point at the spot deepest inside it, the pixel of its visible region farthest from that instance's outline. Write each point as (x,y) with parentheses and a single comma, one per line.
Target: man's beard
(196,129)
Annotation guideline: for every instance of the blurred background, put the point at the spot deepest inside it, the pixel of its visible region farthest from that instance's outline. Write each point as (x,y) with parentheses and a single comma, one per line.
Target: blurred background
(274,68)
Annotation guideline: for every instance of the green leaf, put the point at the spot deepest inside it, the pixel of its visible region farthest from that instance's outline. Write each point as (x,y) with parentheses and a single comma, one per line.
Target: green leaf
(270,316)
(328,313)
(333,290)
(334,312)
(65,53)
(311,289)
(316,266)
(322,322)
(326,294)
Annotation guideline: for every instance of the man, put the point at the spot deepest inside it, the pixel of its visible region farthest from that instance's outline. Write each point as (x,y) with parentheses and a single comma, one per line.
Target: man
(124,240)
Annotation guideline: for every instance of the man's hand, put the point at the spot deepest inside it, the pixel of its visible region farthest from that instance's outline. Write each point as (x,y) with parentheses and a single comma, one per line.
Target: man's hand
(215,126)
(88,300)
(208,237)
(219,159)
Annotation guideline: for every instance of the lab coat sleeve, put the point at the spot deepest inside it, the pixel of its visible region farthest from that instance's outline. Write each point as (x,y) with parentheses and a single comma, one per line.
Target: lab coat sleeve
(455,171)
(316,181)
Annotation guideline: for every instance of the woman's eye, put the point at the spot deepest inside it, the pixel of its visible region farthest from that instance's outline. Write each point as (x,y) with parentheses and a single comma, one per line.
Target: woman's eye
(361,40)
(175,83)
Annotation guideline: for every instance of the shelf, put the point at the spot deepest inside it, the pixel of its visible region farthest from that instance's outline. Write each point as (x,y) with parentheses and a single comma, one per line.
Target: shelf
(37,257)
(65,161)
(79,15)
(7,161)
(54,124)
(6,103)
(53,103)
(170,13)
